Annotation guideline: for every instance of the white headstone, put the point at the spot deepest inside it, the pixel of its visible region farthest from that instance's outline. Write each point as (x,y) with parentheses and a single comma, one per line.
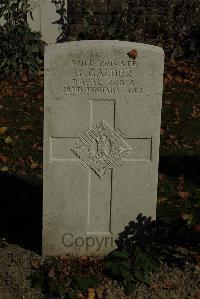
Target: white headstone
(101,142)
(44,13)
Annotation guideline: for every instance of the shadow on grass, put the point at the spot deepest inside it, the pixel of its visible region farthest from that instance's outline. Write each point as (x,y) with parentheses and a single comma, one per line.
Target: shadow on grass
(161,241)
(21,212)
(21,205)
(152,234)
(186,165)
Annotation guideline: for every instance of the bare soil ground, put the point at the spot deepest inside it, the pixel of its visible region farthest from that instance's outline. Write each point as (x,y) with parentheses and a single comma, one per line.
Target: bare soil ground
(16,267)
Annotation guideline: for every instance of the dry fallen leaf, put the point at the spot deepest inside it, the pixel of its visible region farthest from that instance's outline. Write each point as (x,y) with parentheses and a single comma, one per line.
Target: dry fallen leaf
(8,140)
(34,165)
(181,182)
(162,200)
(168,285)
(169,141)
(35,264)
(18,82)
(80,296)
(25,128)
(39,96)
(172,136)
(162,176)
(187,146)
(21,163)
(165,81)
(9,93)
(34,146)
(162,131)
(197,296)
(169,77)
(3,130)
(100,293)
(167,102)
(132,54)
(188,217)
(155,286)
(51,272)
(183,194)
(21,173)
(4,169)
(3,158)
(178,79)
(24,77)
(91,294)
(196,228)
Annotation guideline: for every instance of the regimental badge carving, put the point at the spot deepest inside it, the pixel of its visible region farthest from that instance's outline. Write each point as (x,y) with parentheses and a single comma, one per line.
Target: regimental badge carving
(101,148)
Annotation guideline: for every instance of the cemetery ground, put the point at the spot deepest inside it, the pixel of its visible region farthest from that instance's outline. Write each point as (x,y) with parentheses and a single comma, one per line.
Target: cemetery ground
(21,133)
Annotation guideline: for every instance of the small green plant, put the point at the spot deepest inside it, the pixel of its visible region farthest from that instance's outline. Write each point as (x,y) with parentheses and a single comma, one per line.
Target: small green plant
(21,50)
(128,269)
(142,247)
(64,278)
(181,199)
(132,262)
(191,212)
(118,265)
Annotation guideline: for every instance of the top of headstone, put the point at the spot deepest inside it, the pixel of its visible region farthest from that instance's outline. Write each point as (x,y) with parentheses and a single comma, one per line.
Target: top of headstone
(86,43)
(101,44)
(69,63)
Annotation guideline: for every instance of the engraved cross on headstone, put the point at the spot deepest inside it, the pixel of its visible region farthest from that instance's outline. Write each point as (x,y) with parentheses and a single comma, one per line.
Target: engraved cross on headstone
(101,149)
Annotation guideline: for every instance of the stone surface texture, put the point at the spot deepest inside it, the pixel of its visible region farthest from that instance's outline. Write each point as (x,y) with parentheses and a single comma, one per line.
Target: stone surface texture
(101,142)
(44,14)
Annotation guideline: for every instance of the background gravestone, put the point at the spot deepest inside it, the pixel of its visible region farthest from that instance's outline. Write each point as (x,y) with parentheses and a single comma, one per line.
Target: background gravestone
(44,14)
(101,141)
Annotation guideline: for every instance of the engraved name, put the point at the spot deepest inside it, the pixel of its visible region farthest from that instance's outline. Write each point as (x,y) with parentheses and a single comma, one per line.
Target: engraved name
(102,77)
(104,73)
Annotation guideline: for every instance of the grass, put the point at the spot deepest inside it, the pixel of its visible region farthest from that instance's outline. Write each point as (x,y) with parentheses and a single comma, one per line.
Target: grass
(22,115)
(180,134)
(174,203)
